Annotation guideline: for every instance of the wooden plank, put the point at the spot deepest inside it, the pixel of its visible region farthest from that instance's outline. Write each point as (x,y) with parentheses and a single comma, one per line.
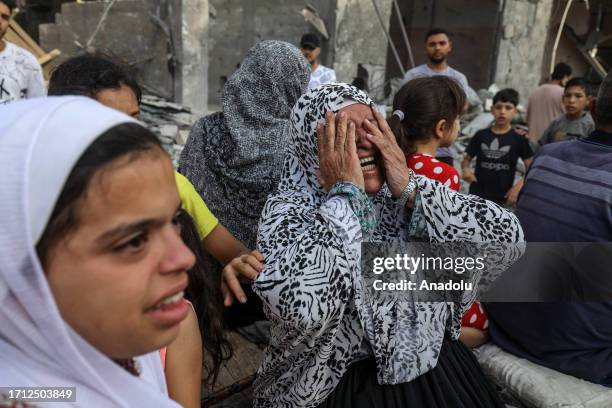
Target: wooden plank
(30,44)
(20,38)
(48,57)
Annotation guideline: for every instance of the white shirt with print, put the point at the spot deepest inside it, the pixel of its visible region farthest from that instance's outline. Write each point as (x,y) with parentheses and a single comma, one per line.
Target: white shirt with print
(20,75)
(321,75)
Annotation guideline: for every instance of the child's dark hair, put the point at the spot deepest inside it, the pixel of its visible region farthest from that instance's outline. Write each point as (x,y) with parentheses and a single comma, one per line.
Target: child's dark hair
(423,103)
(88,74)
(10,4)
(561,71)
(204,292)
(579,82)
(507,95)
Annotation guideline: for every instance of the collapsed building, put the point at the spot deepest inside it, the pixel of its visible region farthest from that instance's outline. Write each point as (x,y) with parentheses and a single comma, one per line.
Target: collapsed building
(183,50)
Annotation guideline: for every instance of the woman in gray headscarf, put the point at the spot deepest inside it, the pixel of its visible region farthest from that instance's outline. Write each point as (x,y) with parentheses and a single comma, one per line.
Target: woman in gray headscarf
(234,158)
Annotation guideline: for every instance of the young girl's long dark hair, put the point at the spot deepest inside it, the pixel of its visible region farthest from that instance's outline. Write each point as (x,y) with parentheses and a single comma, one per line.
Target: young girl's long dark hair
(424,102)
(204,292)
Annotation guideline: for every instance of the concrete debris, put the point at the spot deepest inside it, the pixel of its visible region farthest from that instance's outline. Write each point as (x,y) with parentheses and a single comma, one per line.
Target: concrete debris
(170,121)
(374,77)
(481,121)
(311,15)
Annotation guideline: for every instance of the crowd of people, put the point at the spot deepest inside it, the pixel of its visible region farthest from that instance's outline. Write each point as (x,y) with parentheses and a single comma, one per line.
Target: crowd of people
(119,273)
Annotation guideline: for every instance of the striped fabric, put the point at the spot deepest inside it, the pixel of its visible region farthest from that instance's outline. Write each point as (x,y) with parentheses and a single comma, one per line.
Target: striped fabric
(568,192)
(567,197)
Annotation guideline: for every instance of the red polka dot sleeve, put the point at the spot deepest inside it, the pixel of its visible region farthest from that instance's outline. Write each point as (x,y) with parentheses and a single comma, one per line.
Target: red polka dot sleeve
(428,166)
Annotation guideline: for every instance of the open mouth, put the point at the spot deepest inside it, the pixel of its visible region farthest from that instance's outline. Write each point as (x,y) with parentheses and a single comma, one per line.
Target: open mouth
(368,163)
(170,310)
(168,302)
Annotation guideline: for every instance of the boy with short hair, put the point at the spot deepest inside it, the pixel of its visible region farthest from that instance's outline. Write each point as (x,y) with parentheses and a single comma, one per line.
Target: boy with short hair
(310,45)
(497,151)
(576,123)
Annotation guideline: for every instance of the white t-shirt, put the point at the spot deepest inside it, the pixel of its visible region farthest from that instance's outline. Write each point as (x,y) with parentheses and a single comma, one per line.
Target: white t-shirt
(321,75)
(425,71)
(20,75)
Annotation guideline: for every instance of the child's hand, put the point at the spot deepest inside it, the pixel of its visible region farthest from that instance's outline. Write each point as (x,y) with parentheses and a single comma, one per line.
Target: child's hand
(245,266)
(473,337)
(512,194)
(469,176)
(522,132)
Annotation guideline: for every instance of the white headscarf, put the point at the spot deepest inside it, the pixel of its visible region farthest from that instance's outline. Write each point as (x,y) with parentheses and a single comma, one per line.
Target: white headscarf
(40,141)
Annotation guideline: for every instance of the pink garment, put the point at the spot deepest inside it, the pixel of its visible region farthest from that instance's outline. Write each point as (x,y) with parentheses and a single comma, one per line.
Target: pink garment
(544,106)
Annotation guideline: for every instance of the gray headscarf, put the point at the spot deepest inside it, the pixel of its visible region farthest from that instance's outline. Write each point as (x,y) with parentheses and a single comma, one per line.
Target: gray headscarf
(234,158)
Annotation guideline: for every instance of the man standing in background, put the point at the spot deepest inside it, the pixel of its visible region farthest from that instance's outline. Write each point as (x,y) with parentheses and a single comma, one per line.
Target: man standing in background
(438,46)
(545,102)
(20,73)
(311,48)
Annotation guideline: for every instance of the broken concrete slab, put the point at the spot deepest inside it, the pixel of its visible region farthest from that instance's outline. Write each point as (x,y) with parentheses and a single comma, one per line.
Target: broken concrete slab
(360,39)
(164,41)
(521,49)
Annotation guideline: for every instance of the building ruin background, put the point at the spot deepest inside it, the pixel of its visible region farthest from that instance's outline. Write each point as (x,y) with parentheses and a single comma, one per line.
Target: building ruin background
(184,50)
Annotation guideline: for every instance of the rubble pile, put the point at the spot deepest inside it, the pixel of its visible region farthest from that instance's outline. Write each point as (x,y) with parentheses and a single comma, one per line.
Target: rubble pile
(171,122)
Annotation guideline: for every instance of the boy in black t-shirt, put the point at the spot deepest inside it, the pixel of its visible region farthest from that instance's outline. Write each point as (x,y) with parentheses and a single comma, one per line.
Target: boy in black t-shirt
(497,151)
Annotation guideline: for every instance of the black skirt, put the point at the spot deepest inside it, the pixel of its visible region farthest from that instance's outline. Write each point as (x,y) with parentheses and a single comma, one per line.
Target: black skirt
(456,382)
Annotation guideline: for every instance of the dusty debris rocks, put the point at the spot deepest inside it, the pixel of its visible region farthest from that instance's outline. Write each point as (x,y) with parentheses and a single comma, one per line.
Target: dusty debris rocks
(170,121)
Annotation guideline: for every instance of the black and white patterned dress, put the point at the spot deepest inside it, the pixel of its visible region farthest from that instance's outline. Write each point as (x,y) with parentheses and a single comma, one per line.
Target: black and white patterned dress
(312,287)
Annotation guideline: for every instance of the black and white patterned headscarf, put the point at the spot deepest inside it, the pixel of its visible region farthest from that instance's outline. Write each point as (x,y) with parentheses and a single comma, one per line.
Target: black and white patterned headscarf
(312,287)
(234,157)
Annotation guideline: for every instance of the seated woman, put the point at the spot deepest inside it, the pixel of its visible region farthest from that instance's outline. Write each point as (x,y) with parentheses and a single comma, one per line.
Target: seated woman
(92,270)
(234,157)
(332,345)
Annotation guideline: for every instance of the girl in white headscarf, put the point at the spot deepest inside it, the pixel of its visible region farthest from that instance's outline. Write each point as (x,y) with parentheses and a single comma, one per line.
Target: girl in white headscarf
(92,267)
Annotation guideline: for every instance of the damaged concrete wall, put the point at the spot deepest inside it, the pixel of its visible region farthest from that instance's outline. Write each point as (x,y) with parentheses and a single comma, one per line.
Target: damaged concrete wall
(360,39)
(524,34)
(578,19)
(473,23)
(194,55)
(137,32)
(163,41)
(236,25)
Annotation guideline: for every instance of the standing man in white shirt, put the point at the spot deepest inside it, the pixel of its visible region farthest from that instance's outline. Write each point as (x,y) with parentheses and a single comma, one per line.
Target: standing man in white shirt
(438,45)
(311,48)
(20,73)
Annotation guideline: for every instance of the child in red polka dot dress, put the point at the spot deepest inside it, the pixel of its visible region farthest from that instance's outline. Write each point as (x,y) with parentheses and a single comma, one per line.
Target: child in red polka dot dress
(428,166)
(426,117)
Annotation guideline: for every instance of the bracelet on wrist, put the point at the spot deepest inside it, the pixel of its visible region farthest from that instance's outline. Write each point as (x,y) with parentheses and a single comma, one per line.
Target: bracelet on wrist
(410,188)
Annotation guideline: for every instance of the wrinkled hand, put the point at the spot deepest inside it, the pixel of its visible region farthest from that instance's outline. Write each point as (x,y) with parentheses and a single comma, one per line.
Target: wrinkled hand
(246,266)
(468,175)
(338,160)
(394,160)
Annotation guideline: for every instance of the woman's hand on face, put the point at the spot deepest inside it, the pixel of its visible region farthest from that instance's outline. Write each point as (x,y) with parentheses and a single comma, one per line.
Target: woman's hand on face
(394,159)
(337,148)
(246,266)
